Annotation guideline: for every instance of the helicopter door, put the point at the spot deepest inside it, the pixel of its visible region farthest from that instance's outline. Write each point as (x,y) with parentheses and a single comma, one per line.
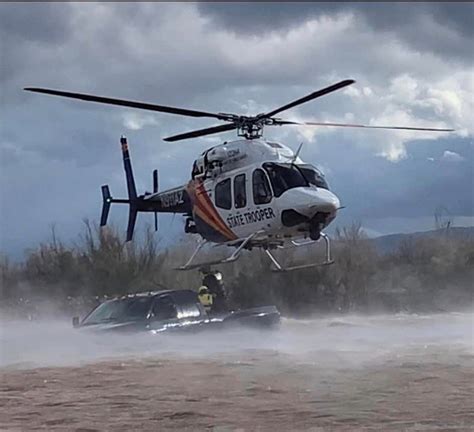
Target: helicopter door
(236,219)
(261,214)
(223,195)
(240,191)
(223,198)
(262,193)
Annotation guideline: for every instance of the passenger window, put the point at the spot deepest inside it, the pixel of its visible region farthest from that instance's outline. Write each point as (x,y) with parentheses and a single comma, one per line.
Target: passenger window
(240,194)
(223,195)
(164,309)
(261,189)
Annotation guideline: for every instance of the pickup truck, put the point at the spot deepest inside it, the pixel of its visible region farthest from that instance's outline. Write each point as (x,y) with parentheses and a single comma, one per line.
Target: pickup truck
(170,310)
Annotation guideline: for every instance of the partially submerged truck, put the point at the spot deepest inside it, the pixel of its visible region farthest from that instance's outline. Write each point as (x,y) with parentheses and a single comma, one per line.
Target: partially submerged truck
(170,310)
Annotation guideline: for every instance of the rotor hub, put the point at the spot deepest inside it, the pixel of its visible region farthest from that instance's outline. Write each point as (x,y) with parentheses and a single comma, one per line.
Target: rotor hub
(249,127)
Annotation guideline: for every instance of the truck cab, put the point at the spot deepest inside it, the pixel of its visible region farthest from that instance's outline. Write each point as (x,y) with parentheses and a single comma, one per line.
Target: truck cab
(160,311)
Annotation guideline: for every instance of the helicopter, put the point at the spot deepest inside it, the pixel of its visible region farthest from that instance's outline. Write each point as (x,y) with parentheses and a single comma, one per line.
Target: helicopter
(248,193)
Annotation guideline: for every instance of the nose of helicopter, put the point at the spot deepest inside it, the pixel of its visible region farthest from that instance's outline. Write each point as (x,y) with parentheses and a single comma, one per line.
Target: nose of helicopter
(309,201)
(324,201)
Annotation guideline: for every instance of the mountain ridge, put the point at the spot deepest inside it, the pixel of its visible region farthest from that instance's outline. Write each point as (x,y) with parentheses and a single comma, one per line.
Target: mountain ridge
(389,243)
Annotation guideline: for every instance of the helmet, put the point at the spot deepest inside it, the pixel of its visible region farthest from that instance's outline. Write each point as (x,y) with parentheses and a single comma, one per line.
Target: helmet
(205,269)
(203,290)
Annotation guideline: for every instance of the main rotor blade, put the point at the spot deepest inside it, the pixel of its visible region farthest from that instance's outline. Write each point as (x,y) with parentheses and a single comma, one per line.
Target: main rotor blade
(311,96)
(285,122)
(201,132)
(127,103)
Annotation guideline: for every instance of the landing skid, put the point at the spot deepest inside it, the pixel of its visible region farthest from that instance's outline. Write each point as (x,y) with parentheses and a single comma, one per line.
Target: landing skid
(328,260)
(248,241)
(231,258)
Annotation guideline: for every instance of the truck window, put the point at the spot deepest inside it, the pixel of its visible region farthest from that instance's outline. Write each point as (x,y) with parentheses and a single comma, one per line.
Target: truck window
(120,310)
(223,195)
(164,309)
(190,310)
(240,194)
(261,189)
(188,304)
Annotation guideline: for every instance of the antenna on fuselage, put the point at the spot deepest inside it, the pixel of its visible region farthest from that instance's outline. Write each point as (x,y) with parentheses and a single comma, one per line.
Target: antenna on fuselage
(295,156)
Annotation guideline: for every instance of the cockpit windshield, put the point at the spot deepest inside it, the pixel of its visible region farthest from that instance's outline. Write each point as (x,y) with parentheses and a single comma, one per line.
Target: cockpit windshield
(314,176)
(119,310)
(284,177)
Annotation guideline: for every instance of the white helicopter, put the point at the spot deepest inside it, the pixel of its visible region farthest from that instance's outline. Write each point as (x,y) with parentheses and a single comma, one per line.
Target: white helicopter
(245,193)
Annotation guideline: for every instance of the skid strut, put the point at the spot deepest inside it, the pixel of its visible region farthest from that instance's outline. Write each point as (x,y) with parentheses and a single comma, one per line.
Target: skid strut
(328,259)
(190,260)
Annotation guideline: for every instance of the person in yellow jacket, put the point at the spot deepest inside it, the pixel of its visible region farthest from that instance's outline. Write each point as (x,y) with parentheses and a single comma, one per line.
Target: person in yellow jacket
(205,297)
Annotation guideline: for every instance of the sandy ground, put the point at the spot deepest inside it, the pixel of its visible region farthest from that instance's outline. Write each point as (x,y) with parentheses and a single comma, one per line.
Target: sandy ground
(399,373)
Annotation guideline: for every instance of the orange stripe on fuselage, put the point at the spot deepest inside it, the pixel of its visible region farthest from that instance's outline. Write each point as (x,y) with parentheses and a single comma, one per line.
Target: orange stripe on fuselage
(204,200)
(203,216)
(206,210)
(205,205)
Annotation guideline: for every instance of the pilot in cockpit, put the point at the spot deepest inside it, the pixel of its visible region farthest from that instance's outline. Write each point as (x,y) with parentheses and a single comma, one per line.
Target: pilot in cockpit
(198,169)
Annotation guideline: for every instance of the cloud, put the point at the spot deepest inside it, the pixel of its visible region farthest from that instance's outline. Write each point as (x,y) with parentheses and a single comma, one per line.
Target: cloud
(449,156)
(39,23)
(136,121)
(412,63)
(441,28)
(406,101)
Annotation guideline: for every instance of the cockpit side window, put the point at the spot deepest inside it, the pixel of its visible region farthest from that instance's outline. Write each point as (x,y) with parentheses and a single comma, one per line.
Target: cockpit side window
(262,193)
(284,177)
(314,176)
(224,194)
(240,194)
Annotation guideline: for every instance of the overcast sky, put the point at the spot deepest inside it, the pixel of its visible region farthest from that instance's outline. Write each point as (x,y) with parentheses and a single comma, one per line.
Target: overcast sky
(413,64)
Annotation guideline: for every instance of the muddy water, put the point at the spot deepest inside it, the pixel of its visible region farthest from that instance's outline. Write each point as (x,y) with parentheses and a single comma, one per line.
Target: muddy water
(393,373)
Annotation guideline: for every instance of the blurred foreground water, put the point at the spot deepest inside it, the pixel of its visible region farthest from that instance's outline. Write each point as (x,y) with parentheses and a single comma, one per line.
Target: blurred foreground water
(390,373)
(352,339)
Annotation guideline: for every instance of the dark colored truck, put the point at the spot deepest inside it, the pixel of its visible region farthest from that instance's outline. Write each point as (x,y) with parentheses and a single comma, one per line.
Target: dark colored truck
(170,310)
